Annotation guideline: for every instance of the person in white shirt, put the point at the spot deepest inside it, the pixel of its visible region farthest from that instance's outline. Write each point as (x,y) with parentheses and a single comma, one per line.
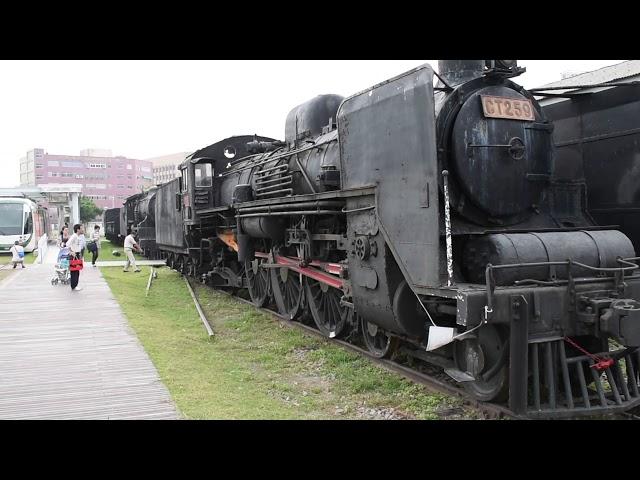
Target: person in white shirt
(17,253)
(75,248)
(129,245)
(95,250)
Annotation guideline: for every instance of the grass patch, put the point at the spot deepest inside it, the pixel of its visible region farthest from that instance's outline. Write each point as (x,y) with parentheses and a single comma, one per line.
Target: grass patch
(254,367)
(5,258)
(106,252)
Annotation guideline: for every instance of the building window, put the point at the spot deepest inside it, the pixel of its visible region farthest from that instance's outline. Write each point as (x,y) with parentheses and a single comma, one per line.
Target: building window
(129,167)
(73,164)
(39,165)
(39,177)
(97,165)
(129,187)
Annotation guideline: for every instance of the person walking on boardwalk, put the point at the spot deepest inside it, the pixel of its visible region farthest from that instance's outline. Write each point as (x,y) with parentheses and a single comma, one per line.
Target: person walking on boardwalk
(130,244)
(83,243)
(94,244)
(17,253)
(75,249)
(64,236)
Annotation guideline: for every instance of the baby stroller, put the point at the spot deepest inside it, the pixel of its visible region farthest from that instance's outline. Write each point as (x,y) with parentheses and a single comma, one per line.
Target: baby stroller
(62,267)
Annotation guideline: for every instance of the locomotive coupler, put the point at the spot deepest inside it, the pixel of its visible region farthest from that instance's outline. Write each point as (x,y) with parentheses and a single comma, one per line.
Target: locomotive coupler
(622,321)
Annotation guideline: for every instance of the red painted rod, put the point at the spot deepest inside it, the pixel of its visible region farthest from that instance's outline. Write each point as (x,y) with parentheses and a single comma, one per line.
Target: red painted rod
(294,264)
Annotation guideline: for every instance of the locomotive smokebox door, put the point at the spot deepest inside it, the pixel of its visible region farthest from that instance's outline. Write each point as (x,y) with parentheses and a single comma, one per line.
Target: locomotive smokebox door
(388,140)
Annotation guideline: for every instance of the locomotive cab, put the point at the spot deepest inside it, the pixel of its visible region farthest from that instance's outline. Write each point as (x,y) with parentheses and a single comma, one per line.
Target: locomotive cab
(202,181)
(196,187)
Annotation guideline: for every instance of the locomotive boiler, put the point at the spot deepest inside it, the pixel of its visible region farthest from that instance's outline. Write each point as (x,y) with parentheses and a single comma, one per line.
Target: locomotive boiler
(423,217)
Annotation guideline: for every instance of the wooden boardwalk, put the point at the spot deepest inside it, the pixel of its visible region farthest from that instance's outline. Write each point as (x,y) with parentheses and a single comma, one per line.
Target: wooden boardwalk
(72,355)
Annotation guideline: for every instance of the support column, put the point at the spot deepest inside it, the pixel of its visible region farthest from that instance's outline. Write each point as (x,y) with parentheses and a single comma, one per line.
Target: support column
(74,205)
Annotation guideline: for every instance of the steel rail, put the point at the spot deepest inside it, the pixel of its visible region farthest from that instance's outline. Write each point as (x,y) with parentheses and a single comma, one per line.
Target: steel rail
(203,317)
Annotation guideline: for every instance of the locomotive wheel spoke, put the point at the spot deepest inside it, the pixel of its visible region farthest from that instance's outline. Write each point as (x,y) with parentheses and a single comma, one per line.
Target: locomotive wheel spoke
(324,302)
(379,344)
(287,291)
(258,282)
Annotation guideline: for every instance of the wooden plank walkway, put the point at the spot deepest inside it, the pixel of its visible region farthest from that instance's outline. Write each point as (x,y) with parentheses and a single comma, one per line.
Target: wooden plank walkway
(72,355)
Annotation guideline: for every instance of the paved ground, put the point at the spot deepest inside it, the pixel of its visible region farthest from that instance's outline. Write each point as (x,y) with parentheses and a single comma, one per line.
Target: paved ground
(72,355)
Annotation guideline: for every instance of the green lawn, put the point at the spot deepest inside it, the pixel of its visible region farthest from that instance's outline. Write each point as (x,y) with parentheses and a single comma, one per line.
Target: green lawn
(6,258)
(106,252)
(255,367)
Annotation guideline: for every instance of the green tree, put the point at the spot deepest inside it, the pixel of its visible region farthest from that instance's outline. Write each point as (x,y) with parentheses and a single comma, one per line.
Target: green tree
(88,210)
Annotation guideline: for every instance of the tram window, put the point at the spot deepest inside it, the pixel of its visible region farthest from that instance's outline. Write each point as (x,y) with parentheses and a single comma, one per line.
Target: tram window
(203,175)
(10,218)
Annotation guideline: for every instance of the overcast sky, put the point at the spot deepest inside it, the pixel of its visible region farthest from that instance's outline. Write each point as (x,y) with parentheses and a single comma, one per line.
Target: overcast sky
(143,109)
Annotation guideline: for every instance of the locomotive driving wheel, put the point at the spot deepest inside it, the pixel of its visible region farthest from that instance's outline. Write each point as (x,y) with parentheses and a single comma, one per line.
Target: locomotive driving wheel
(485,357)
(190,268)
(378,342)
(257,281)
(178,263)
(324,302)
(287,291)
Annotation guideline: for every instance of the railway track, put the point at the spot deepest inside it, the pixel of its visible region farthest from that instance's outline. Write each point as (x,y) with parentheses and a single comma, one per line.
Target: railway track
(429,380)
(489,410)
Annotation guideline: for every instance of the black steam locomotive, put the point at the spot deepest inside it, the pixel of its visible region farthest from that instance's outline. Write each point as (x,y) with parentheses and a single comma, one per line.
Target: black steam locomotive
(426,217)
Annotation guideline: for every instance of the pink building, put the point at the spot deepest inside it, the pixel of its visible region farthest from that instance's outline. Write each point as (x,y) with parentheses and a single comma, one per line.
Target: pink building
(106,179)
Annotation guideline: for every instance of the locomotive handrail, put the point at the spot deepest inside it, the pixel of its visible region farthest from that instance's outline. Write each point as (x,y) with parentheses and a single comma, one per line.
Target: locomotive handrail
(489,281)
(288,206)
(370,207)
